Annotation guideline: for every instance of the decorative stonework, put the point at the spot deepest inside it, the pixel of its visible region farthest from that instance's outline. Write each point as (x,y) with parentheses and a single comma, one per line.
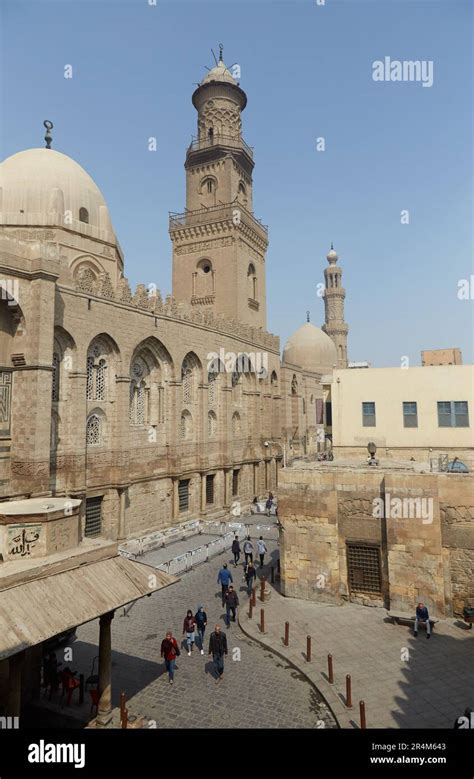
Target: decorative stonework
(104,286)
(30,469)
(202,246)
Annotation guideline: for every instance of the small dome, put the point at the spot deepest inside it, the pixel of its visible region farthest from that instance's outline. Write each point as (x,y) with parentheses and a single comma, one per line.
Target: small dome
(332,257)
(46,188)
(219,73)
(311,349)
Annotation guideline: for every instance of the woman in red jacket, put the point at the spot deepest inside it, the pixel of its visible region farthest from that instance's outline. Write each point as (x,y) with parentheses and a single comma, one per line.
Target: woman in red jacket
(170,651)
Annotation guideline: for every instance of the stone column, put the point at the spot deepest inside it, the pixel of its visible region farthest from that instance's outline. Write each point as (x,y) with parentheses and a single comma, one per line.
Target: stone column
(175,499)
(227,487)
(122,530)
(15,664)
(104,713)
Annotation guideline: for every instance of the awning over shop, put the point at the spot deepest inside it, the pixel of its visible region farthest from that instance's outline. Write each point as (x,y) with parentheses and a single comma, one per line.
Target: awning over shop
(37,610)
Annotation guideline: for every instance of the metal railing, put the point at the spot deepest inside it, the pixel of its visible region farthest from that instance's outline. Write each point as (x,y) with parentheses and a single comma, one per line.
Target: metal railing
(234,142)
(215,213)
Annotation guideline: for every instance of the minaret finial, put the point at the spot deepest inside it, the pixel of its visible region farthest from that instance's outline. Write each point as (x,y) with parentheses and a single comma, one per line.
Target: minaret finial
(307,316)
(332,246)
(48,137)
(221,51)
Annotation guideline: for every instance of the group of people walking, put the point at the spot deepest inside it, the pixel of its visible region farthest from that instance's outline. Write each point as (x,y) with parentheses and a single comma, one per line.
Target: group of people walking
(194,625)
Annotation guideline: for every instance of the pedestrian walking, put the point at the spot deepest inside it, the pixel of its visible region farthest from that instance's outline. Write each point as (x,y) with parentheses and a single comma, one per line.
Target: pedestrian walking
(170,651)
(189,630)
(224,578)
(201,624)
(236,550)
(250,577)
(269,504)
(248,549)
(218,650)
(261,549)
(231,603)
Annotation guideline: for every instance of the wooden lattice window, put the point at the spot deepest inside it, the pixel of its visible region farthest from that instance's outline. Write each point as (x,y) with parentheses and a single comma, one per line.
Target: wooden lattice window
(94,431)
(183,494)
(55,376)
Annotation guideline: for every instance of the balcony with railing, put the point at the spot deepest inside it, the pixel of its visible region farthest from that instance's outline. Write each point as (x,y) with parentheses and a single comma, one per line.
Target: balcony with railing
(233,211)
(229,141)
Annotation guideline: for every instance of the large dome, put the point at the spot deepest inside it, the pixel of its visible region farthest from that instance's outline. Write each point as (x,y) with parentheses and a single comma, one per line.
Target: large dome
(311,349)
(219,73)
(43,187)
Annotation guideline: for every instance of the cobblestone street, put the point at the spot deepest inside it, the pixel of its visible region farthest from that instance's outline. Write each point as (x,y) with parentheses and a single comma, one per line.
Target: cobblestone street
(259,690)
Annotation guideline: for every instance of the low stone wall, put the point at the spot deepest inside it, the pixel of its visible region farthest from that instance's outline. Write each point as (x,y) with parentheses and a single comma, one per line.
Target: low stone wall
(421,524)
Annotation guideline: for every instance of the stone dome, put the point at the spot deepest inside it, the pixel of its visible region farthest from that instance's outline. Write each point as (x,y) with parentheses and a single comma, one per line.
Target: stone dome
(311,349)
(43,187)
(219,73)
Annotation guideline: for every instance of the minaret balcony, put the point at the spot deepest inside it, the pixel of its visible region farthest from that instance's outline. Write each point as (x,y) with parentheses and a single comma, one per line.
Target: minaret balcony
(231,142)
(234,213)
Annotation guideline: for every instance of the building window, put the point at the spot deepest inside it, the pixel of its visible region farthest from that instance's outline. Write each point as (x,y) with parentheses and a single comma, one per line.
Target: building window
(96,376)
(294,386)
(453,413)
(364,568)
(410,414)
(94,431)
(235,482)
(186,425)
(211,424)
(55,377)
(211,387)
(183,494)
(209,489)
(84,215)
(93,517)
(328,413)
(236,430)
(368,414)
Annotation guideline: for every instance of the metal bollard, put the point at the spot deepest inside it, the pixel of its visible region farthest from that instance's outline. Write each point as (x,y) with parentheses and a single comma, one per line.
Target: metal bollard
(254,596)
(262,620)
(362,715)
(262,589)
(348,691)
(123,710)
(308,648)
(287,633)
(250,608)
(272,575)
(330,670)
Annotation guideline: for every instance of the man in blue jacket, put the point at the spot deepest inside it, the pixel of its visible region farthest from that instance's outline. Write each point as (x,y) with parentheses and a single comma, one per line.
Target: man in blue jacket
(422,616)
(224,579)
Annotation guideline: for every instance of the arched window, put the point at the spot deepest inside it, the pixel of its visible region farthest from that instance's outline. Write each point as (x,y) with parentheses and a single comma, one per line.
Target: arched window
(274,379)
(211,424)
(139,408)
(242,190)
(186,426)
(55,376)
(94,431)
(236,427)
(190,377)
(186,377)
(96,377)
(294,386)
(252,281)
(235,378)
(84,215)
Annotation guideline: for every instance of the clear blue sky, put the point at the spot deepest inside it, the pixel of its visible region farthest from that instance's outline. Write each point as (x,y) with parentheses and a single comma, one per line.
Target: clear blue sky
(307,71)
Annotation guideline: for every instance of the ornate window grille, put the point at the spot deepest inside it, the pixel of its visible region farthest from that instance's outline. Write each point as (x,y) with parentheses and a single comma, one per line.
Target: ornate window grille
(94,431)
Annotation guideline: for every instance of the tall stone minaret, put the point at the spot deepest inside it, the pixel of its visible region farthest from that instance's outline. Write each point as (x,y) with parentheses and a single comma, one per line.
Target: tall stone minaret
(334,294)
(218,245)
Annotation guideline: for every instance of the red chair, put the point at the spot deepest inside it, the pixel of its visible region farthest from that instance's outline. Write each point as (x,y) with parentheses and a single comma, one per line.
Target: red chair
(94,700)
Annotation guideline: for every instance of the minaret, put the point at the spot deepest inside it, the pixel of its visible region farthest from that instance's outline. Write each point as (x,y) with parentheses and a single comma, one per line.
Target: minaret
(218,245)
(334,294)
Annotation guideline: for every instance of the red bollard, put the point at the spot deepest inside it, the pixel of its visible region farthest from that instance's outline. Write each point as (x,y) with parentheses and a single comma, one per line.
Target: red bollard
(330,670)
(308,648)
(123,711)
(250,608)
(262,589)
(362,715)
(262,620)
(287,634)
(348,691)
(254,596)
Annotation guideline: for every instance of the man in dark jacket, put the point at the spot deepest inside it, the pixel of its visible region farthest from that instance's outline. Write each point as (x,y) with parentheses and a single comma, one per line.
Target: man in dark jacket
(224,578)
(170,651)
(218,648)
(231,603)
(236,550)
(250,577)
(422,616)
